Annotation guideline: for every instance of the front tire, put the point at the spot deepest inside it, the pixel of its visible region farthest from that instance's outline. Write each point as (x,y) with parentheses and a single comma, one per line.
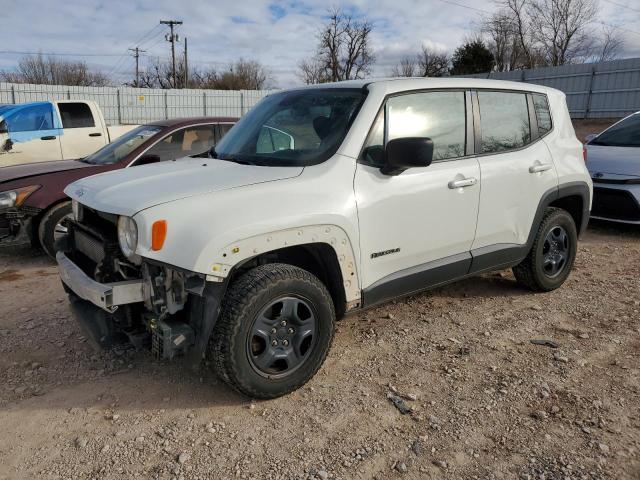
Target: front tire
(274,331)
(50,227)
(551,257)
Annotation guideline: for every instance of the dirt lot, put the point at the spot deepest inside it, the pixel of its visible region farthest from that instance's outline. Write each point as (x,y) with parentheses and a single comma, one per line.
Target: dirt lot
(488,403)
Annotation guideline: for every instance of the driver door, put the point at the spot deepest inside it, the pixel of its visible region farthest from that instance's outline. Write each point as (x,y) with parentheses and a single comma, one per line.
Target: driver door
(416,228)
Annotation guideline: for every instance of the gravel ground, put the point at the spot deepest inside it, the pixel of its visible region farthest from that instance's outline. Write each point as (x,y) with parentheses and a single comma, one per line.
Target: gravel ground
(480,400)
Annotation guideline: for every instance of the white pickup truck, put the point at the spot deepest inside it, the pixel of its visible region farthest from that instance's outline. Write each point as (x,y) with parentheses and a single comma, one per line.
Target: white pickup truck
(56,130)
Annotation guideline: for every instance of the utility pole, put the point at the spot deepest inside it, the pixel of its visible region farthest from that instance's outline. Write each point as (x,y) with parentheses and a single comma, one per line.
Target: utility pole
(173,39)
(136,54)
(186,65)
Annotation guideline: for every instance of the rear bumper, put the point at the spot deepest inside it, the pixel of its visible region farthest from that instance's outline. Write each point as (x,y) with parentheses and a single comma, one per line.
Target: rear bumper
(107,296)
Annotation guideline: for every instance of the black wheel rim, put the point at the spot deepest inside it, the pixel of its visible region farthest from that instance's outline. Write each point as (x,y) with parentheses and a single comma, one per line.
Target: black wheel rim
(555,252)
(282,336)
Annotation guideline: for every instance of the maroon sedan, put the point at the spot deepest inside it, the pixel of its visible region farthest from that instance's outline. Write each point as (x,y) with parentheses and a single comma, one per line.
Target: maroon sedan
(32,201)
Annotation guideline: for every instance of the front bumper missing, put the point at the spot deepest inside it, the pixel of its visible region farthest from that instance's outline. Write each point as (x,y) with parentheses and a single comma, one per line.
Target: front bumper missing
(107,296)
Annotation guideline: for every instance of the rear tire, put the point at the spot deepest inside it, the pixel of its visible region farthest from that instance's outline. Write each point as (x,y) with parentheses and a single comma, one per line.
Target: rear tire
(274,331)
(551,257)
(49,227)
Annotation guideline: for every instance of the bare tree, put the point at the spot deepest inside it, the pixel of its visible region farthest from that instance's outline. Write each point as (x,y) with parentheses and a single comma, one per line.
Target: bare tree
(241,75)
(516,9)
(504,40)
(405,68)
(53,71)
(560,27)
(427,63)
(343,52)
(611,45)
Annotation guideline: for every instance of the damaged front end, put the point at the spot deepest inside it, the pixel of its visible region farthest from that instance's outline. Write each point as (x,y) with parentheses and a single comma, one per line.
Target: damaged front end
(16,225)
(155,306)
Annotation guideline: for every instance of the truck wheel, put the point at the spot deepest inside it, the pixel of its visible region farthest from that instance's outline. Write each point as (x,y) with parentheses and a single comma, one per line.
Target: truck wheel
(50,227)
(274,331)
(551,257)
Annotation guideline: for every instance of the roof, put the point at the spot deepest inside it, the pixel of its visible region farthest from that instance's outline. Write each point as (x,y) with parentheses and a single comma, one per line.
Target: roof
(186,121)
(416,83)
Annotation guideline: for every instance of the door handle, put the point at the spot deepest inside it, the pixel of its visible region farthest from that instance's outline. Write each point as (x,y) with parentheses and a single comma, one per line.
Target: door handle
(542,167)
(49,137)
(95,134)
(463,182)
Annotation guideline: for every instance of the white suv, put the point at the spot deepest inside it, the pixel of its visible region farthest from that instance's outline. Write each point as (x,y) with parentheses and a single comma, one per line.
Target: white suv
(322,201)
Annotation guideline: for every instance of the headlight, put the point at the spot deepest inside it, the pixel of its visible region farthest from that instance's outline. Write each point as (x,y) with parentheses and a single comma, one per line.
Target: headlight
(128,236)
(15,198)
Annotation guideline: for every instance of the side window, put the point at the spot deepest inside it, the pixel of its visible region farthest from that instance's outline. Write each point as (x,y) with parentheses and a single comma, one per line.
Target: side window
(221,130)
(185,143)
(76,115)
(543,114)
(504,119)
(37,117)
(439,116)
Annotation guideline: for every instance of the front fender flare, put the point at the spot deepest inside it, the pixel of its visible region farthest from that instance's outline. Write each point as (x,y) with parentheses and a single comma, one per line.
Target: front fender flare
(233,254)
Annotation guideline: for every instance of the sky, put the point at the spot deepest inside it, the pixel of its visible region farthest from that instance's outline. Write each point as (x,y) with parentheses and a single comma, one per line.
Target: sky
(279,34)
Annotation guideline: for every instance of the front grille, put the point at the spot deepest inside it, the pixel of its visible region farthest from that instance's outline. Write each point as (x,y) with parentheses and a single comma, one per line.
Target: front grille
(615,204)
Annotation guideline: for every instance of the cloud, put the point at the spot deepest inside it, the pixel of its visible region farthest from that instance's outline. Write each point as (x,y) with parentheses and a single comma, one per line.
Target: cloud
(277,33)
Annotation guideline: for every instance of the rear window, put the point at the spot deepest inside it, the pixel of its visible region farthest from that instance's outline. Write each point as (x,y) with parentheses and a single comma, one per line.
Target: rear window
(29,119)
(504,117)
(76,115)
(543,114)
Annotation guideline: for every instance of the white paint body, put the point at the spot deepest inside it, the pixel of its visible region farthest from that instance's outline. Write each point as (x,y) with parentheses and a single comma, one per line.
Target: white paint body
(223,213)
(61,143)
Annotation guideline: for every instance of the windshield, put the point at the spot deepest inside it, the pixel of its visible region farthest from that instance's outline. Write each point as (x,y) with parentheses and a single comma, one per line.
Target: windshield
(294,128)
(624,134)
(122,146)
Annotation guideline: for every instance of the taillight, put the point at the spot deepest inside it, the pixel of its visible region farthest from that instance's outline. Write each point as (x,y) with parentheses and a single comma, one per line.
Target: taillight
(584,154)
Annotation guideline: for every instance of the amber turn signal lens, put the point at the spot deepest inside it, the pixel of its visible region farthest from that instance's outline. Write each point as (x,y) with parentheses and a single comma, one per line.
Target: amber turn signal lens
(158,234)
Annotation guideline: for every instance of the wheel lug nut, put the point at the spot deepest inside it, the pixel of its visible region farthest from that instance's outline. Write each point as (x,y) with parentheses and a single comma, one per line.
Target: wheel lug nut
(285,343)
(290,331)
(274,343)
(274,330)
(283,323)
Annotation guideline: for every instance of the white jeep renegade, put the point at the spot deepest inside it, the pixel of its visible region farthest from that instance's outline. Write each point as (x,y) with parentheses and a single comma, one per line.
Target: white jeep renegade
(322,201)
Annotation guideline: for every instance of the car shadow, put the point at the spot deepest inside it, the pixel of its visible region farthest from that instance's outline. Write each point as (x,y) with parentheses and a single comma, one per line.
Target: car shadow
(604,227)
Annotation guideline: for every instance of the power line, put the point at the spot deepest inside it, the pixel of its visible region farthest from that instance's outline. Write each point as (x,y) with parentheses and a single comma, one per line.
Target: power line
(622,5)
(173,38)
(59,54)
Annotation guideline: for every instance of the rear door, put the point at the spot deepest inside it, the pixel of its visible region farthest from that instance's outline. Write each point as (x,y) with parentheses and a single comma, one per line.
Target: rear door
(516,168)
(30,135)
(82,131)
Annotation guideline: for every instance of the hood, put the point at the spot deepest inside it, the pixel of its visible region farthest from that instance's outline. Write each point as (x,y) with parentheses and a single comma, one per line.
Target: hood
(130,190)
(613,160)
(17,172)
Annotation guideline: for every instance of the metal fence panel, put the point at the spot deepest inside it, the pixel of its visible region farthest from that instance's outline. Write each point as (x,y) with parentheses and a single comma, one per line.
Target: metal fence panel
(128,105)
(597,90)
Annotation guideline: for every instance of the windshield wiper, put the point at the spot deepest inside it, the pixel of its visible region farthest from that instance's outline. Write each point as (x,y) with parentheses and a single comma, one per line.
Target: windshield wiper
(235,159)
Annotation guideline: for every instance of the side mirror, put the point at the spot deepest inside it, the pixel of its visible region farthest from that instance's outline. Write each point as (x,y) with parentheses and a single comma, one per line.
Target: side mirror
(590,137)
(147,159)
(409,152)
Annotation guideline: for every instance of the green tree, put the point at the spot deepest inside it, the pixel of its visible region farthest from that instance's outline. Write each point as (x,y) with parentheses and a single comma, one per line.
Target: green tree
(472,57)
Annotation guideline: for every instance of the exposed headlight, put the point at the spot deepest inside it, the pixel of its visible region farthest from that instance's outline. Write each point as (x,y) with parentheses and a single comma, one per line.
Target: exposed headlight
(15,198)
(128,236)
